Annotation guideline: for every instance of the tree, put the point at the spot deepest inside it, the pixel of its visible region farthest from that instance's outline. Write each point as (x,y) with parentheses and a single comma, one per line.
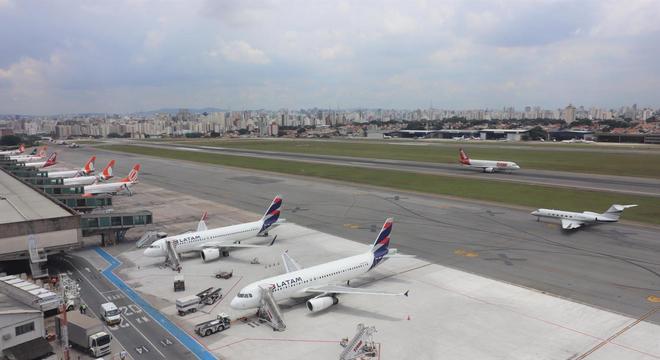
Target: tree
(114,135)
(537,133)
(10,140)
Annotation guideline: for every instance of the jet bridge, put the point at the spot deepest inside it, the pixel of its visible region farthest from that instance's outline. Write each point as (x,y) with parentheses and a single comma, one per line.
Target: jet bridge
(269,312)
(111,225)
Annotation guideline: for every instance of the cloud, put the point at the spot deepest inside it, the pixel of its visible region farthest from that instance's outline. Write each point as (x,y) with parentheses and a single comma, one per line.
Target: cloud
(242,52)
(272,53)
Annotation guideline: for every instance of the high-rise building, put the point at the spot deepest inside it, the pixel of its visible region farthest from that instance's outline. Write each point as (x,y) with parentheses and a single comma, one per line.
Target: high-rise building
(569,114)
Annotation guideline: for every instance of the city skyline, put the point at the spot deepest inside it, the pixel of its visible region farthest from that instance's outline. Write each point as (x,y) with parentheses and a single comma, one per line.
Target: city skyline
(130,56)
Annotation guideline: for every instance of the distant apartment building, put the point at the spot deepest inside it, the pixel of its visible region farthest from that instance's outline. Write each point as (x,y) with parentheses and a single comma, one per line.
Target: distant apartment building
(569,114)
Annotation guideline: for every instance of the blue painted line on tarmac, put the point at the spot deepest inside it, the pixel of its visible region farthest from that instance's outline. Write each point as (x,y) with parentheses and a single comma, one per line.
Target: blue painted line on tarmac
(188,341)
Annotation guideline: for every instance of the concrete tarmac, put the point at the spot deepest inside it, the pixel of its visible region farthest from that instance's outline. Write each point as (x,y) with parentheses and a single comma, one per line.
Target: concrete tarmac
(619,184)
(613,266)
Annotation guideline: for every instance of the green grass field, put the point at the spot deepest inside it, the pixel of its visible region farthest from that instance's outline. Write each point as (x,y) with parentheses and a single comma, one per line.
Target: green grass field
(532,196)
(607,163)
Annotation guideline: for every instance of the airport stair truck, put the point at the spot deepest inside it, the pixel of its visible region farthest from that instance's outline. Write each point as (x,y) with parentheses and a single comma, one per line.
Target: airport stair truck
(220,323)
(86,333)
(269,312)
(361,346)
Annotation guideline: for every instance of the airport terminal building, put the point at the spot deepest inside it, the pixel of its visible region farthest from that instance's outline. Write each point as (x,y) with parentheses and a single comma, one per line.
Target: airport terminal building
(33,224)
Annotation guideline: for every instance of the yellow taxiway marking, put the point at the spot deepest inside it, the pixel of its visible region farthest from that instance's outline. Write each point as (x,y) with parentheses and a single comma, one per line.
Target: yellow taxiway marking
(653,299)
(466,253)
(352,226)
(551,225)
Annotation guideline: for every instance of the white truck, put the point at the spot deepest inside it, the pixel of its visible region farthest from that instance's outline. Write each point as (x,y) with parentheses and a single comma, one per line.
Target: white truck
(86,333)
(110,313)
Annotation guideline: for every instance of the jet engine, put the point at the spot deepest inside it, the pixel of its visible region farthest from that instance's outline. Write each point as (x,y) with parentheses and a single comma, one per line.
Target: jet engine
(210,254)
(489,170)
(321,303)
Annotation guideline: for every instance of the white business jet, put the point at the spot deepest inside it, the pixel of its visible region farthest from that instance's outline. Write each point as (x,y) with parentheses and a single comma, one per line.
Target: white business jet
(573,220)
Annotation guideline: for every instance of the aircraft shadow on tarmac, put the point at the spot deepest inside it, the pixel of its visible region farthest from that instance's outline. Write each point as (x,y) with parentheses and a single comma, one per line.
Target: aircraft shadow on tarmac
(355,312)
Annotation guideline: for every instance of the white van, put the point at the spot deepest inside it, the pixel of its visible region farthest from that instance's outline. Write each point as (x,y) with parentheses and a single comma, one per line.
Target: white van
(110,313)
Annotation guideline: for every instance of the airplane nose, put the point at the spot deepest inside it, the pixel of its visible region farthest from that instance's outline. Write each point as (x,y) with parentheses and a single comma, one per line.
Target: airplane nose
(235,303)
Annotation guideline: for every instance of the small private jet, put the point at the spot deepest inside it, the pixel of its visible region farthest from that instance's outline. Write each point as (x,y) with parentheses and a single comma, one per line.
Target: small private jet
(487,166)
(573,220)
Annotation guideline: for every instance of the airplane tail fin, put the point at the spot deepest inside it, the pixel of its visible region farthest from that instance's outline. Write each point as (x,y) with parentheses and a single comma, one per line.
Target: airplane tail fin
(464,159)
(133,175)
(272,214)
(201,225)
(615,211)
(381,246)
(52,160)
(89,165)
(107,171)
(42,151)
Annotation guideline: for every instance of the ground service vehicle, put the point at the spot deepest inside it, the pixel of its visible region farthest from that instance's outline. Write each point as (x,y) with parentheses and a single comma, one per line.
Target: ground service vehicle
(86,333)
(110,313)
(220,323)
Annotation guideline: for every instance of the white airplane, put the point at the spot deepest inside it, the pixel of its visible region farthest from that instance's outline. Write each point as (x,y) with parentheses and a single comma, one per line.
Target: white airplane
(52,160)
(488,166)
(116,187)
(573,220)
(211,243)
(40,154)
(87,169)
(321,280)
(20,150)
(106,174)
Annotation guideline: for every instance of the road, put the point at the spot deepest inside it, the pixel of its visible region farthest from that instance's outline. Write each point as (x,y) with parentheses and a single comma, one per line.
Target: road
(619,184)
(612,266)
(137,333)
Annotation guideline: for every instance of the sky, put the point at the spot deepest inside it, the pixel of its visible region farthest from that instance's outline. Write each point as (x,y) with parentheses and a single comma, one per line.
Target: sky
(74,56)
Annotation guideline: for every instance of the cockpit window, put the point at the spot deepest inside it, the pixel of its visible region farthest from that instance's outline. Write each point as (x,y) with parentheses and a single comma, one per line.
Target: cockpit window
(241,295)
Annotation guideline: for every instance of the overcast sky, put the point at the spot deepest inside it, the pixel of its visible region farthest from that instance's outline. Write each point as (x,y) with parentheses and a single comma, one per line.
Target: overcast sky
(131,55)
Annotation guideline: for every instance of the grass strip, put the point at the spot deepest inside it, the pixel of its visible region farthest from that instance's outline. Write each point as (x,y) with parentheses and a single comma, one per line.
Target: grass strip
(532,196)
(591,162)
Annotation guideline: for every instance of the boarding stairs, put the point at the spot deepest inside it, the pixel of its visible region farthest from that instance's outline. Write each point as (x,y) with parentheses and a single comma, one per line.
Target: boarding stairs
(38,259)
(172,259)
(361,346)
(269,312)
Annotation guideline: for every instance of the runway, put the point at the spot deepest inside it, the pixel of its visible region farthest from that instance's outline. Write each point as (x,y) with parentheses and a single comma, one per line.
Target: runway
(619,184)
(615,266)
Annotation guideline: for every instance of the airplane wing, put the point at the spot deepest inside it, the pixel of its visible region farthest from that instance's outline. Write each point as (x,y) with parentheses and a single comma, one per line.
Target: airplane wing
(289,264)
(336,289)
(570,224)
(394,254)
(219,244)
